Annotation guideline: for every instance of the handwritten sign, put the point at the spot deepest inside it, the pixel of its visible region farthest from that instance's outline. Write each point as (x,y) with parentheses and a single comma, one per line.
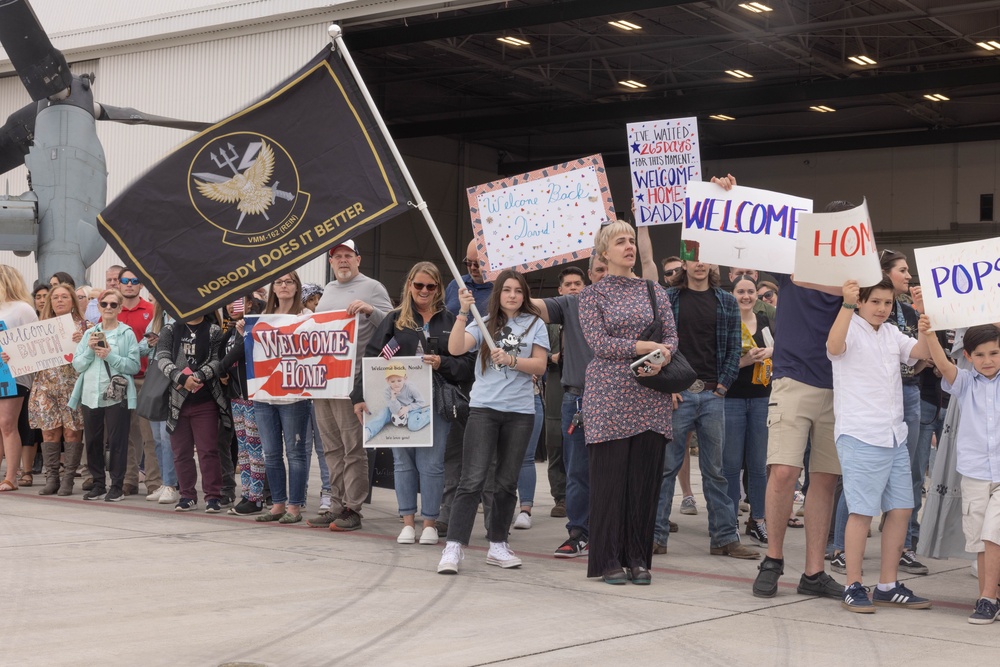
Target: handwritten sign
(833,248)
(398,394)
(961,283)
(664,156)
(7,385)
(39,345)
(301,356)
(542,218)
(744,227)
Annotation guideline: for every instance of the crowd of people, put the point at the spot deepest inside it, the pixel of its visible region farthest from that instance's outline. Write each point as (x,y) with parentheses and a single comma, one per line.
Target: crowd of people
(848,384)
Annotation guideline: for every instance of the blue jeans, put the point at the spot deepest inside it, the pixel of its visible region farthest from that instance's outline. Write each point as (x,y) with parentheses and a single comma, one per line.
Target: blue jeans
(313,442)
(705,414)
(283,434)
(416,419)
(746,439)
(931,423)
(918,457)
(164,454)
(528,476)
(421,468)
(840,523)
(577,463)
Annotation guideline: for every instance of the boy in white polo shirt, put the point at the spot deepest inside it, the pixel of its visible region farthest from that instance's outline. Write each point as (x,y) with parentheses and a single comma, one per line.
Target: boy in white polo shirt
(978,447)
(871,438)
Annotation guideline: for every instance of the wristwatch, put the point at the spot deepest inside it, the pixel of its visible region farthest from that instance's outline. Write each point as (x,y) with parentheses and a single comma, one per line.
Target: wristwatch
(720,390)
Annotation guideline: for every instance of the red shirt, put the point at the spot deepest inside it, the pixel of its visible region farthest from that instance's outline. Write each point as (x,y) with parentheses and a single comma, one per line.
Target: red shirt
(138,318)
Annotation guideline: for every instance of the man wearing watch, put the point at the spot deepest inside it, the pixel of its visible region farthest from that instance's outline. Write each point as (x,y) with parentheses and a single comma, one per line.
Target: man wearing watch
(708,331)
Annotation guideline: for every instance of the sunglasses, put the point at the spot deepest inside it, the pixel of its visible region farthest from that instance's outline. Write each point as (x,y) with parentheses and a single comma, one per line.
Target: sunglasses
(671,272)
(420,287)
(109,304)
(885,253)
(769,294)
(470,262)
(129,281)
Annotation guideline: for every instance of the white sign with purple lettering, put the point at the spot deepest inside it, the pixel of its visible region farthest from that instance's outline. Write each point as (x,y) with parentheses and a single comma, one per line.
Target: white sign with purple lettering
(39,345)
(744,227)
(961,283)
(664,156)
(832,248)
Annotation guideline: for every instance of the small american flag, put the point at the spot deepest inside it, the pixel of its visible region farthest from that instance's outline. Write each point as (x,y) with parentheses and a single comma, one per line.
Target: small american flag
(390,349)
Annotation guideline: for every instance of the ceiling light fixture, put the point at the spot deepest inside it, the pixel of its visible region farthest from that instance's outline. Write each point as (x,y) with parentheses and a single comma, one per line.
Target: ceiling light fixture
(622,24)
(632,83)
(861,60)
(739,74)
(937,97)
(822,108)
(721,116)
(755,7)
(513,41)
(991,45)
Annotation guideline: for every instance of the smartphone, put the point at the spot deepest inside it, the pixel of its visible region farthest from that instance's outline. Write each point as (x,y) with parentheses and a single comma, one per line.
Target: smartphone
(150,334)
(186,371)
(99,337)
(433,346)
(654,357)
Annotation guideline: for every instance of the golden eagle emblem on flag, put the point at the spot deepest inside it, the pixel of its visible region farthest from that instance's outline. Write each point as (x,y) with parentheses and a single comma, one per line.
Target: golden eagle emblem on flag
(246,189)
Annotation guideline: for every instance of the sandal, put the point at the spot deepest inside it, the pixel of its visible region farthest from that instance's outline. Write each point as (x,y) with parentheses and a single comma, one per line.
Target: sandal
(795,522)
(264,518)
(27,479)
(7,485)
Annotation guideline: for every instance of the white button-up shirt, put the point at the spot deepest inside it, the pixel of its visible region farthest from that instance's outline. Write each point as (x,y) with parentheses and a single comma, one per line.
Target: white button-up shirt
(978,438)
(867,385)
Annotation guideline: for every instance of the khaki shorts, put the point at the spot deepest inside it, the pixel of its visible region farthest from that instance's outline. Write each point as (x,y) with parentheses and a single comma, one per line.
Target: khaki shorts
(798,413)
(980,513)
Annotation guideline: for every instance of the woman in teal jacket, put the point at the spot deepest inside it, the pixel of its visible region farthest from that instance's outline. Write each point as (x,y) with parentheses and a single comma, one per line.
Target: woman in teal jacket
(106,350)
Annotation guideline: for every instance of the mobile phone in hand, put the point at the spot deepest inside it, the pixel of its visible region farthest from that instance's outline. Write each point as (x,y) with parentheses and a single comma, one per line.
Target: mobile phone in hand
(433,346)
(101,340)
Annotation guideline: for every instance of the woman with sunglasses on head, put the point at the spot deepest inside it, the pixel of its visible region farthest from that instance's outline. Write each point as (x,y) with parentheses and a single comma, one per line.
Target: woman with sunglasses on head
(419,321)
(283,422)
(107,353)
(15,309)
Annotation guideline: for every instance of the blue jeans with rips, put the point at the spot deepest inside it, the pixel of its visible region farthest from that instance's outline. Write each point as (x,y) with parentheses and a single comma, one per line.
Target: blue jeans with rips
(282,430)
(577,463)
(705,414)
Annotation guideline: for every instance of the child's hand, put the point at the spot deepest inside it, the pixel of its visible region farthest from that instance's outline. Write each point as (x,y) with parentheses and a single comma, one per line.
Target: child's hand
(851,292)
(924,325)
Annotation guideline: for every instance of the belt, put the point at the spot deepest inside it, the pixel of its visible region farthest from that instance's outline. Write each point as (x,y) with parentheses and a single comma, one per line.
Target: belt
(572,390)
(700,386)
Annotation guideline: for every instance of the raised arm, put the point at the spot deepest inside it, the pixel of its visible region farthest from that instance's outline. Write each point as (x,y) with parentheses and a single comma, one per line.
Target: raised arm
(461,341)
(949,371)
(649,270)
(836,342)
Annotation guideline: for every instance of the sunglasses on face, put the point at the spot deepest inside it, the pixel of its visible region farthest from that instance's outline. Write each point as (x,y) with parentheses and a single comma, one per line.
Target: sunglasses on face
(128,281)
(671,272)
(420,287)
(470,262)
(109,304)
(769,294)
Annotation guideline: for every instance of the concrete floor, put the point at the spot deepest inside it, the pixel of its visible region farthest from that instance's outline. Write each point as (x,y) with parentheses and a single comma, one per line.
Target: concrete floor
(134,583)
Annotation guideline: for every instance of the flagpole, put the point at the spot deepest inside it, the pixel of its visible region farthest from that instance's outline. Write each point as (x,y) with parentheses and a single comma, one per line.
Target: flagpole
(336,35)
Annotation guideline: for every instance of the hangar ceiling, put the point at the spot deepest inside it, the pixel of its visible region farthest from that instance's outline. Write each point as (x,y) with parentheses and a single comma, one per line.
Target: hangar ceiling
(561,91)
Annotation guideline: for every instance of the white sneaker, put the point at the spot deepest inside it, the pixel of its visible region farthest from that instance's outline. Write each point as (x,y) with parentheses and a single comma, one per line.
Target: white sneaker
(523,521)
(168,495)
(429,535)
(155,495)
(688,505)
(324,503)
(407,535)
(500,554)
(450,557)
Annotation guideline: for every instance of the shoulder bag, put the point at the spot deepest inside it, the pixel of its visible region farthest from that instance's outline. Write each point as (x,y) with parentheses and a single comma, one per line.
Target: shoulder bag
(675,376)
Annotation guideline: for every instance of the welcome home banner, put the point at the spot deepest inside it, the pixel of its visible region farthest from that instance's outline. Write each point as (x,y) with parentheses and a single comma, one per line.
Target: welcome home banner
(258,194)
(664,157)
(301,356)
(961,283)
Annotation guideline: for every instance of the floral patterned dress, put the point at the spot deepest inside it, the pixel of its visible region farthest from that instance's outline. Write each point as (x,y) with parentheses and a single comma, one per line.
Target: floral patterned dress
(47,404)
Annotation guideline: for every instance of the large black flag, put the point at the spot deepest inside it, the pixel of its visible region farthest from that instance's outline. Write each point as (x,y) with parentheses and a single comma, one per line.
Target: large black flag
(259,193)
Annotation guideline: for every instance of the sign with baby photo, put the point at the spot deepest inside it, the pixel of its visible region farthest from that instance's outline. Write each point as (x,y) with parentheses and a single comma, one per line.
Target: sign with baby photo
(961,283)
(398,394)
(542,218)
(300,356)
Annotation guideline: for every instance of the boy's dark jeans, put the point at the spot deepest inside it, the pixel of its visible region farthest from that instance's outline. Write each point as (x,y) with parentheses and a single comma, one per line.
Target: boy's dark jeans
(488,433)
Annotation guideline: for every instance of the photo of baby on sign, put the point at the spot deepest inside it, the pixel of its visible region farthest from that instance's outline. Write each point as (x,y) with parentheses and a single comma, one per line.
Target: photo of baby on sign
(398,396)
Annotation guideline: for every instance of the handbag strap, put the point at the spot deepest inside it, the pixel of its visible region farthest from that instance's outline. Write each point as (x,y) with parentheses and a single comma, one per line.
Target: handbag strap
(652,298)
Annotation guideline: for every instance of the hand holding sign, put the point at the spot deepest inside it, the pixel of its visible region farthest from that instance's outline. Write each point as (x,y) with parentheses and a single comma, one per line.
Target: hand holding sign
(963,283)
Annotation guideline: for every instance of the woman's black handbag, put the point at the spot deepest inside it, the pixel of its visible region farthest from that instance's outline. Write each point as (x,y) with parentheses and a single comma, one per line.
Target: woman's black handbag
(449,401)
(153,402)
(677,375)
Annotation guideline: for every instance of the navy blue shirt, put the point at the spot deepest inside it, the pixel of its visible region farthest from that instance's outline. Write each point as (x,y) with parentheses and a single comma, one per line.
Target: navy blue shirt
(480,292)
(802,326)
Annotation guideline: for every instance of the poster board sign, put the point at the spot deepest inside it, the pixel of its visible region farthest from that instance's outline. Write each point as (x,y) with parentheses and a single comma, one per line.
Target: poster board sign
(744,227)
(542,218)
(664,156)
(833,248)
(7,385)
(301,356)
(398,394)
(39,345)
(960,283)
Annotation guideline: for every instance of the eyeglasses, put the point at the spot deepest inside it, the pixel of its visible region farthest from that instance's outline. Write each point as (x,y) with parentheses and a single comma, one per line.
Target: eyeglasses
(282,283)
(769,294)
(109,304)
(470,262)
(129,281)
(671,272)
(420,287)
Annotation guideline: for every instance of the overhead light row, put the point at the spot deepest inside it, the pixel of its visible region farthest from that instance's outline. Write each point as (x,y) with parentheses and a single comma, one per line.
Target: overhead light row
(936,97)
(822,108)
(861,60)
(739,74)
(513,41)
(756,7)
(632,83)
(721,116)
(991,45)
(627,26)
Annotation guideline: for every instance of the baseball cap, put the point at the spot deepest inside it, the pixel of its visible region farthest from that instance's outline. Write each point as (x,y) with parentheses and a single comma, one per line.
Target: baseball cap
(347,244)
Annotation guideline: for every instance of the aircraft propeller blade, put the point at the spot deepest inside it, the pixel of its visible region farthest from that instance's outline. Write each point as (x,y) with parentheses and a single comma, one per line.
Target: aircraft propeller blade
(41,67)
(131,116)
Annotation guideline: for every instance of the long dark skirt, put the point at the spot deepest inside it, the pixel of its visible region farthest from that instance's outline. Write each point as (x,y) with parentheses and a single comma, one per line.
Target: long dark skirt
(625,477)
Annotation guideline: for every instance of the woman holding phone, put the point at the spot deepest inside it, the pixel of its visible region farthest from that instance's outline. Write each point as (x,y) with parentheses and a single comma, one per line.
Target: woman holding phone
(421,321)
(107,354)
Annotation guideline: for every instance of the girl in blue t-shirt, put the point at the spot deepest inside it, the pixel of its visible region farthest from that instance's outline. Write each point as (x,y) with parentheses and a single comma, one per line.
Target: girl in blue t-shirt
(502,412)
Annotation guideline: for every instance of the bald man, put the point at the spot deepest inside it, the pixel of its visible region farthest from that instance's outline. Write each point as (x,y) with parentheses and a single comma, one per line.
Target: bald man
(474,280)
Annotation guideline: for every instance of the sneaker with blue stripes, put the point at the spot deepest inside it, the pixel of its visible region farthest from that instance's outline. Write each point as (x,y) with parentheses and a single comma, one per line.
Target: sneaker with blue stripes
(899,596)
(856,599)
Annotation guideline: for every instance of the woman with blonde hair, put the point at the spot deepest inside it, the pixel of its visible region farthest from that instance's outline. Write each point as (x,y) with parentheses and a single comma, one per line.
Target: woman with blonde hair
(15,309)
(48,405)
